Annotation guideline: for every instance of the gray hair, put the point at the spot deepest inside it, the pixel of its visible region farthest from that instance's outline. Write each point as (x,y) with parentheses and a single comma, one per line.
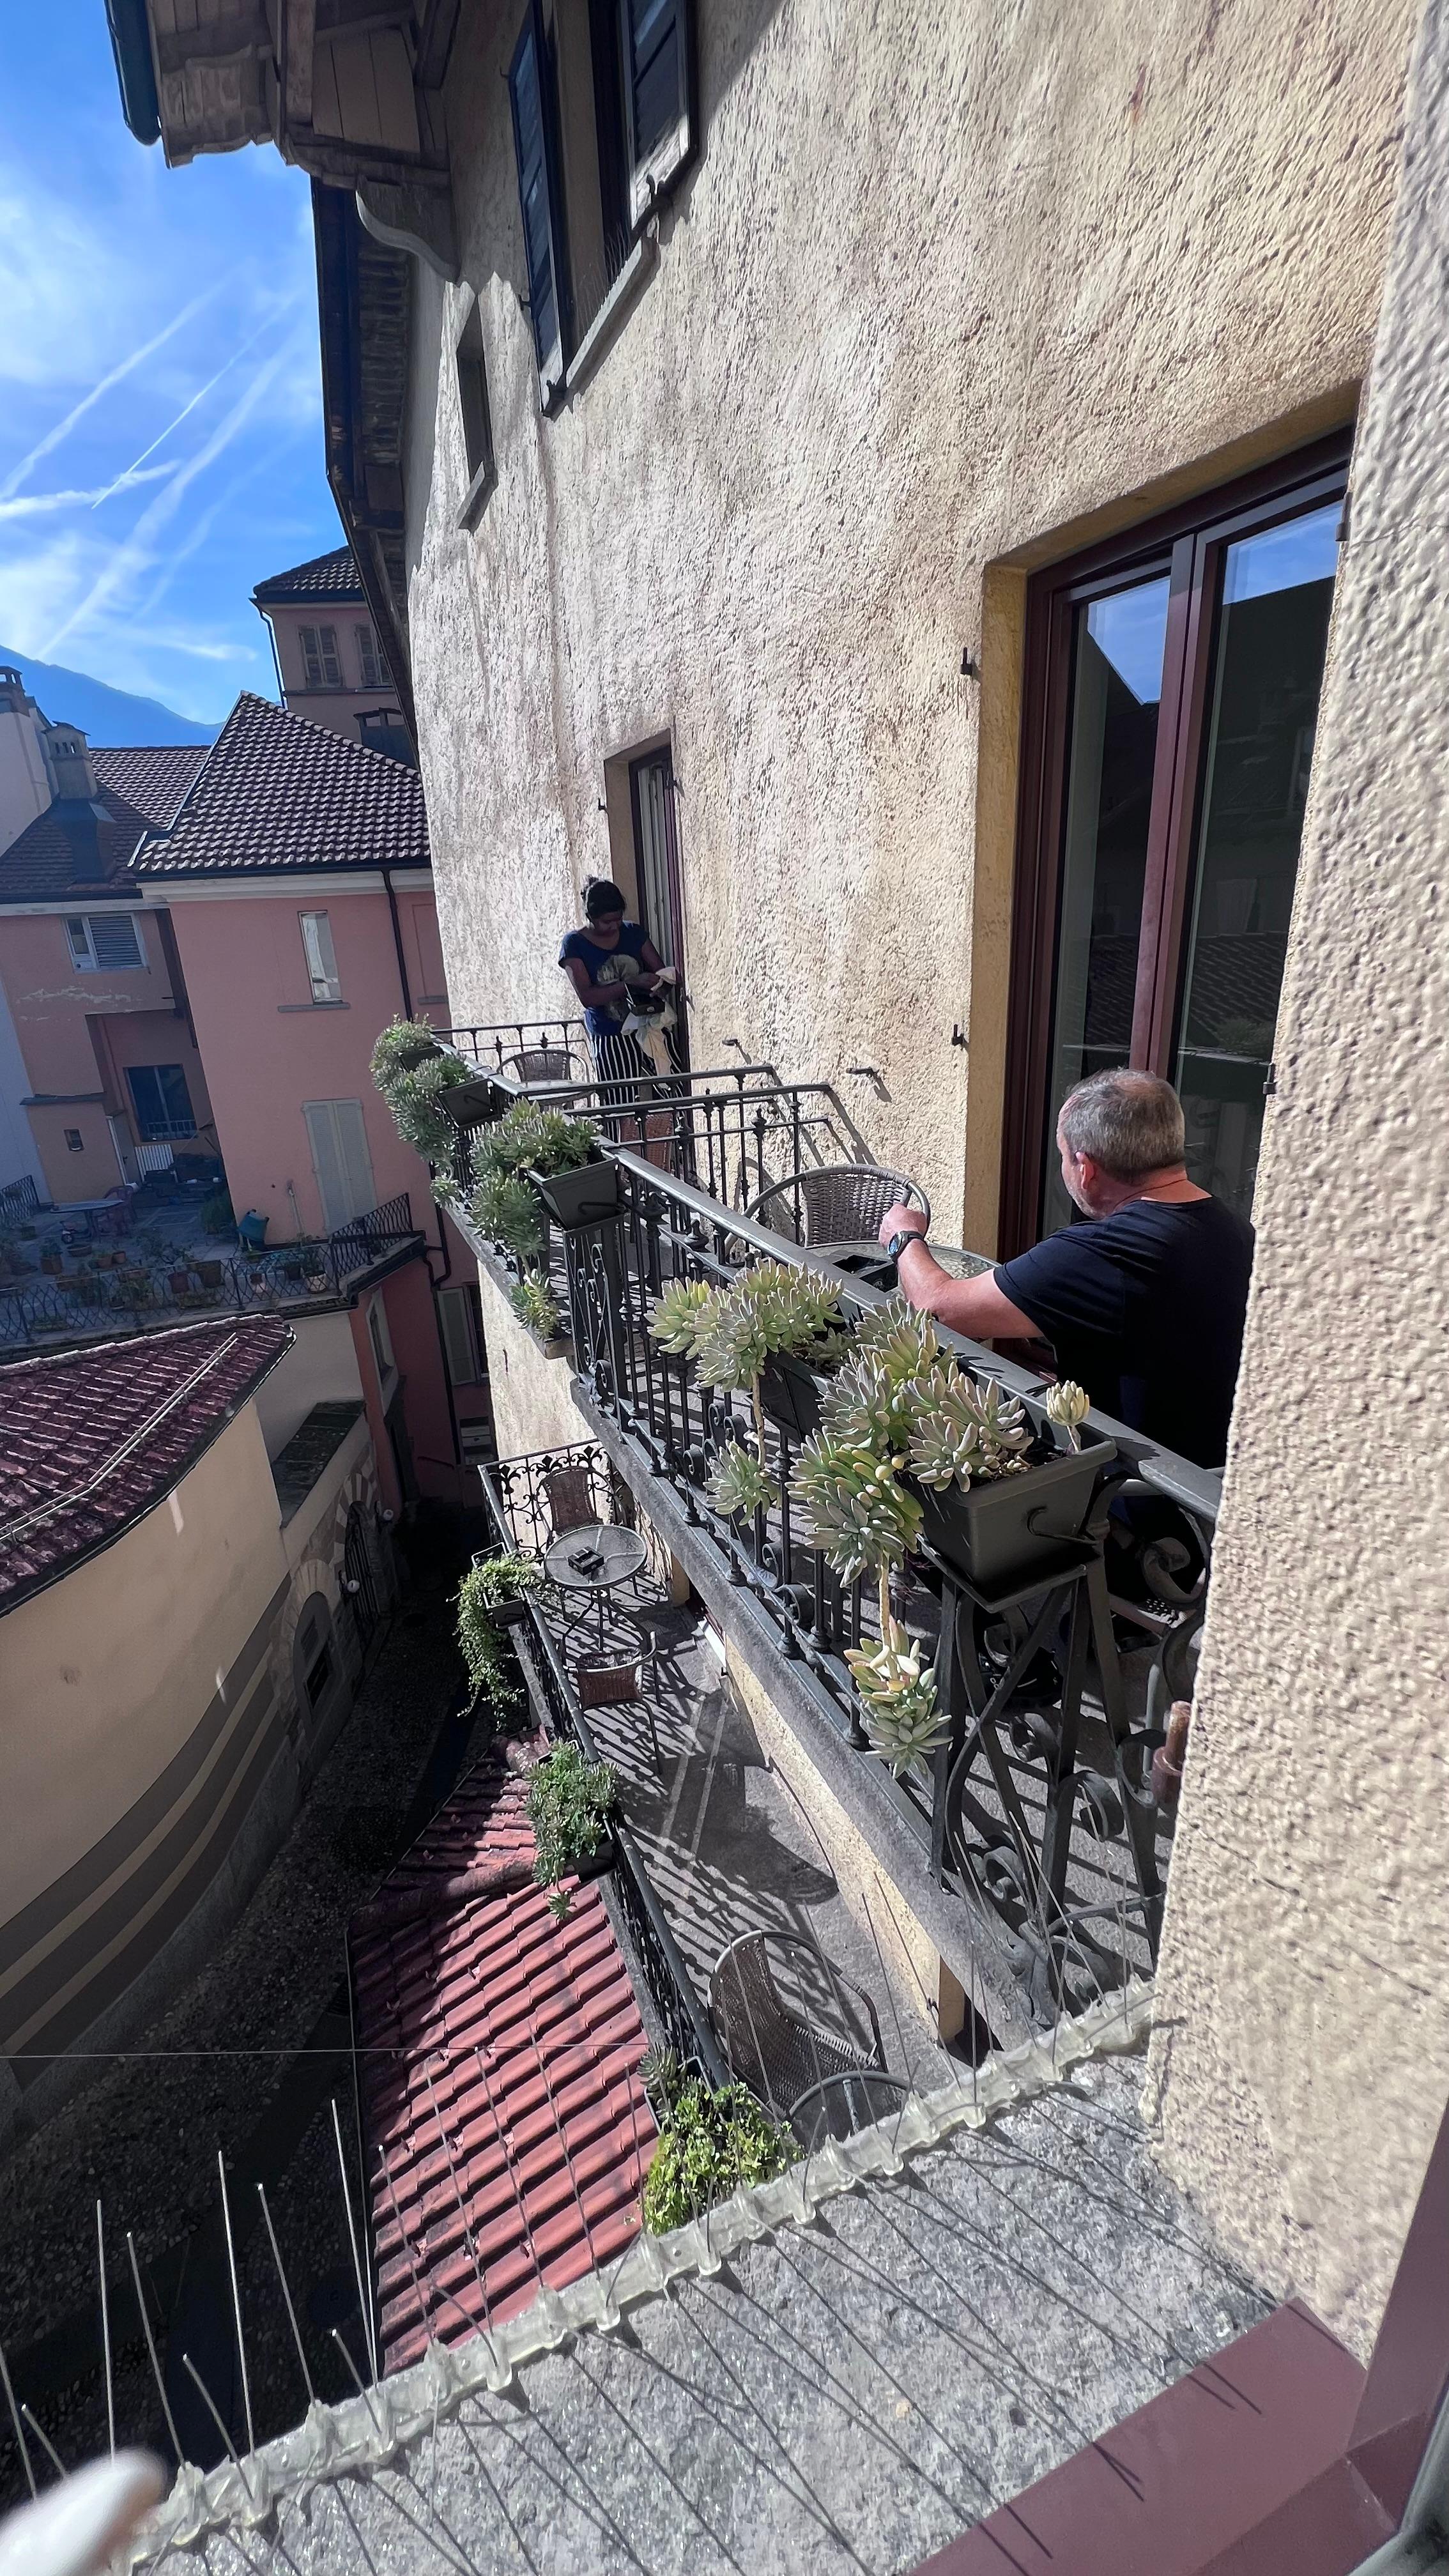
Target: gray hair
(1130,1123)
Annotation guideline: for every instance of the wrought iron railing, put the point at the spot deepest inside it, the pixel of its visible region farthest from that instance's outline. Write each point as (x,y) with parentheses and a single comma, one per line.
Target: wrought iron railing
(516,1493)
(509,1046)
(1041,1804)
(151,1296)
(18,1201)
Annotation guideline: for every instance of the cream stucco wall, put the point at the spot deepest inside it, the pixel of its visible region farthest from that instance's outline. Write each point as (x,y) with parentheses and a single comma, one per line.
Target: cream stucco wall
(1303,2052)
(533,1407)
(107,1673)
(946,287)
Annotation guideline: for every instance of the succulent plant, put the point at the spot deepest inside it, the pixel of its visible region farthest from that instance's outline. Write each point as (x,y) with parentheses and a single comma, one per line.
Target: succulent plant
(535,1305)
(414,1095)
(661,2075)
(855,1508)
(898,1698)
(740,1484)
(968,1431)
(679,1319)
(506,1210)
(1068,1404)
(401,1047)
(903,1338)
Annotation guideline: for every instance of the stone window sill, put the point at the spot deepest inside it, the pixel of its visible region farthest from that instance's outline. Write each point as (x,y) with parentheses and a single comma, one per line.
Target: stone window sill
(314,1006)
(475,499)
(627,286)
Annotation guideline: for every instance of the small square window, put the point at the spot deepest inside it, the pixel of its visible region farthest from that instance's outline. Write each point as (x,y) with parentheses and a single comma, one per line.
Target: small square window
(321,957)
(74,1140)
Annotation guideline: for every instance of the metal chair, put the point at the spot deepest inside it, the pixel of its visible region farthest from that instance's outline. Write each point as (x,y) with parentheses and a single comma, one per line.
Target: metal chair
(572,1503)
(842,2105)
(835,1203)
(541,1064)
(778,2049)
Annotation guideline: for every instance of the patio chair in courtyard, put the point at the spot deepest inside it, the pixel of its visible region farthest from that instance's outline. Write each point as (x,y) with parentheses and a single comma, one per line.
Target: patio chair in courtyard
(835,1203)
(787,2020)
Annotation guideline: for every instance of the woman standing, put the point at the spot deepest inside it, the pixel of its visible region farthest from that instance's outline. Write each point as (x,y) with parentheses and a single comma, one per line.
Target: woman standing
(612,965)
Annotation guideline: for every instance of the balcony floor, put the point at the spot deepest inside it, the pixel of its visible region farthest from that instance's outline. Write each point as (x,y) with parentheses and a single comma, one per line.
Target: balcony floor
(728,1847)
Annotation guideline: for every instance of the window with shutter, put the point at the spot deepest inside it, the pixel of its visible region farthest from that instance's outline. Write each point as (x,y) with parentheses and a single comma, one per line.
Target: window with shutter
(331,664)
(460,1340)
(655,45)
(531,89)
(311,656)
(321,957)
(340,1159)
(473,405)
(104,943)
(369,659)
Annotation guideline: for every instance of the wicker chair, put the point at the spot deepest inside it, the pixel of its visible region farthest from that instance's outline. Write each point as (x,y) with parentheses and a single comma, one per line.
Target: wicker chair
(836,1203)
(782,2046)
(572,1503)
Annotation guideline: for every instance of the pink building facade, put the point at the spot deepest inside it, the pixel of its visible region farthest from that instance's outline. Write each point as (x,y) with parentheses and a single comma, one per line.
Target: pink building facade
(297,885)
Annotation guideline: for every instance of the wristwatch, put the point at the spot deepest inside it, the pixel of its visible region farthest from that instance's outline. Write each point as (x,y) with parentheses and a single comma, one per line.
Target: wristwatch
(907,1234)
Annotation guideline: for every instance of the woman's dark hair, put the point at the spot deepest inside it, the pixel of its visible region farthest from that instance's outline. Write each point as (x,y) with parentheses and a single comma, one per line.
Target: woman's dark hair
(601,898)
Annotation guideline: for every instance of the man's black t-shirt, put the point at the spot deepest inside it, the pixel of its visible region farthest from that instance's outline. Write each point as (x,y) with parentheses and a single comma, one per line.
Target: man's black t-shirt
(1144,1308)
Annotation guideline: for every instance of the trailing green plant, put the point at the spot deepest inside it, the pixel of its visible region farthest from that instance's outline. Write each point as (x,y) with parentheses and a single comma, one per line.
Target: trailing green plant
(730,1333)
(500,1578)
(897,1694)
(402,1046)
(484,1649)
(710,2143)
(414,1095)
(1068,1404)
(571,1807)
(506,1210)
(968,1431)
(536,1306)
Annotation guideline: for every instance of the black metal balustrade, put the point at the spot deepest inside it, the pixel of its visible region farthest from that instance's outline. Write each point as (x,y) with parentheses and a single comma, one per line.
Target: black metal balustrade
(1041,1805)
(514,1047)
(524,1514)
(149,1296)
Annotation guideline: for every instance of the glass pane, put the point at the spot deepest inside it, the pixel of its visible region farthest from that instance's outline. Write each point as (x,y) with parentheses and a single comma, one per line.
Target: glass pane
(1263,706)
(1113,748)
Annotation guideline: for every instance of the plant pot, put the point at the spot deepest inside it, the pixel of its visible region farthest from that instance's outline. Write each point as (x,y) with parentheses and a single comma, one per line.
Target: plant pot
(511,1613)
(998,1534)
(601,1860)
(791,1392)
(604,1680)
(209,1273)
(179,1282)
(584,1197)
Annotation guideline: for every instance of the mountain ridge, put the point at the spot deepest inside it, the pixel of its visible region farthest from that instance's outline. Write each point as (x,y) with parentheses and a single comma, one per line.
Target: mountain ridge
(112,717)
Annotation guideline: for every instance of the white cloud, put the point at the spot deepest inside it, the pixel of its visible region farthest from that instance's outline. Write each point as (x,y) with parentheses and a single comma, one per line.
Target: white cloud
(37,505)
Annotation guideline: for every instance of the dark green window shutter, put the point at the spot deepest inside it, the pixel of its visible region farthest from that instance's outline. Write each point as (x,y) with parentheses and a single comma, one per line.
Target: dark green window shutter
(655,42)
(535,129)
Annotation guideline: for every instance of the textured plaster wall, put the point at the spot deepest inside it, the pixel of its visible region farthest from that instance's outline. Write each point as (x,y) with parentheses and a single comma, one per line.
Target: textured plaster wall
(1303,2053)
(532,1405)
(946,286)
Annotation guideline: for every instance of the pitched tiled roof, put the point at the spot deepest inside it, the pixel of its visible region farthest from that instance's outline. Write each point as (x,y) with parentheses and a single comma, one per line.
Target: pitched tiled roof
(278,792)
(90,1440)
(507,2133)
(84,843)
(331,576)
(153,778)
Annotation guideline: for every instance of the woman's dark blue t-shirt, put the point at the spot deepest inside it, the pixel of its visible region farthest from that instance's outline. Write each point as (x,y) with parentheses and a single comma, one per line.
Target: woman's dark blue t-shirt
(1145,1308)
(606,966)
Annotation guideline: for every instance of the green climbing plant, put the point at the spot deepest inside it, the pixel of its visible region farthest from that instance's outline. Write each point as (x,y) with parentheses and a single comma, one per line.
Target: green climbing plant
(572,1805)
(709,2143)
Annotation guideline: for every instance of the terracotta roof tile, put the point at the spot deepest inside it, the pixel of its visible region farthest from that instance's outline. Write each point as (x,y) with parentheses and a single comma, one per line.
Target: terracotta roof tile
(331,576)
(277,792)
(83,845)
(509,2136)
(90,1440)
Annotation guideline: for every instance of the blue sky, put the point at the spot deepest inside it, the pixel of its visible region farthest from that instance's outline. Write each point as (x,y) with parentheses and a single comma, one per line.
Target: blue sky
(208,447)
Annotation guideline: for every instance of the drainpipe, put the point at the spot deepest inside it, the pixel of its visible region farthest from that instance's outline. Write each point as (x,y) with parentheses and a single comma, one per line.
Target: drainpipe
(402,967)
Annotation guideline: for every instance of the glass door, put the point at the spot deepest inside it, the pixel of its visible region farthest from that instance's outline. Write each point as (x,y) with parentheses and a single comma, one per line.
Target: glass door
(1272,635)
(1173,681)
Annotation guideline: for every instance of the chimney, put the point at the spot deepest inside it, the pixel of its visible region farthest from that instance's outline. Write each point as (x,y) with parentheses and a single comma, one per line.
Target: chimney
(69,761)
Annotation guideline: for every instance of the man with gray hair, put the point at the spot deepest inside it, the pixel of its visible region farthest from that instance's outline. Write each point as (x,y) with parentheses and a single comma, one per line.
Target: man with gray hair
(1143,1305)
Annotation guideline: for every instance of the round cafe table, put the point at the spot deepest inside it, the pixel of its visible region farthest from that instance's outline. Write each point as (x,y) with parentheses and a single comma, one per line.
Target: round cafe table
(866,1259)
(593,1559)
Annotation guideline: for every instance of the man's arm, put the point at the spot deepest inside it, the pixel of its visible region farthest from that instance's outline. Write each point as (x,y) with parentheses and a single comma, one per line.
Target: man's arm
(976,1307)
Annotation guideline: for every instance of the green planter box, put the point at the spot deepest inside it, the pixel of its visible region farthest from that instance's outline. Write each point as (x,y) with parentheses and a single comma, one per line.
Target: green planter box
(997,1534)
(584,1197)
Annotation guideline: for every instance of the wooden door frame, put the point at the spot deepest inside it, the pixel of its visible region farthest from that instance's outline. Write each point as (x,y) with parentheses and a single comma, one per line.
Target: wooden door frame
(1186,543)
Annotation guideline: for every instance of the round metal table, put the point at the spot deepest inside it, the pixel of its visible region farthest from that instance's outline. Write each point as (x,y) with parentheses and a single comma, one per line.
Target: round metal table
(866,1258)
(593,1559)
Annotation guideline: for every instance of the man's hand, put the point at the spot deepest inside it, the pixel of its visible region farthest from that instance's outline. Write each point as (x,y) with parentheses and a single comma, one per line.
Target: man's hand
(900,1220)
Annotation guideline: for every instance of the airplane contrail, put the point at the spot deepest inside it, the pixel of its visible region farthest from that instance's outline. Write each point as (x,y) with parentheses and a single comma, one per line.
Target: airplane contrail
(63,428)
(200,396)
(32,505)
(134,554)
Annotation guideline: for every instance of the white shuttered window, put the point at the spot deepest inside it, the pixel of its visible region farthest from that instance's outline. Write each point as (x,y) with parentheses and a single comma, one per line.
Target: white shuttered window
(340,1159)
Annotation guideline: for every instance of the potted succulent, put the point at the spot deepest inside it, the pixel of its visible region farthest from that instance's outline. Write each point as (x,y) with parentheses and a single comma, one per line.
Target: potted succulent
(709,2143)
(498,1588)
(770,1316)
(535,1162)
(572,1807)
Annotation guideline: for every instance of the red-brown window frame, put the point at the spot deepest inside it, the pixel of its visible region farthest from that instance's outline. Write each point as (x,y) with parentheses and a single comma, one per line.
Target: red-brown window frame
(1186,543)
